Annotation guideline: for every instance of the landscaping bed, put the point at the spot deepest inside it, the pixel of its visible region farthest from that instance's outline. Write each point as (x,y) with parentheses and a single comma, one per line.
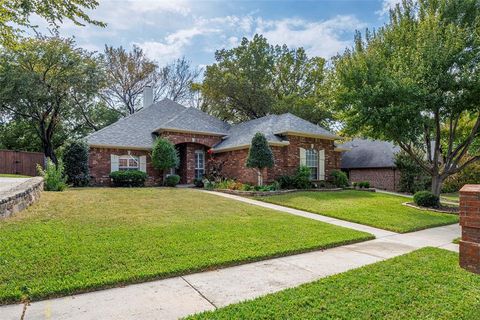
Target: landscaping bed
(272,193)
(441,208)
(87,239)
(424,284)
(375,209)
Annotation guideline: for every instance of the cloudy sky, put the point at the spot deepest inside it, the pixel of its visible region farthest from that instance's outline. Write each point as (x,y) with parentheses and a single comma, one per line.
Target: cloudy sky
(168,29)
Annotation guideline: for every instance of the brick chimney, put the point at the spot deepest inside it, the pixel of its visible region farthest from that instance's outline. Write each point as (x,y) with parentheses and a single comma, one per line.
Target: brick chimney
(147,96)
(470,223)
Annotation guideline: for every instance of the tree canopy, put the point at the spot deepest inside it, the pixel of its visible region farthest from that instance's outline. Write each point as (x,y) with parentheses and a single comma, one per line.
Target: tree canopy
(16,13)
(256,79)
(416,82)
(164,155)
(41,82)
(260,155)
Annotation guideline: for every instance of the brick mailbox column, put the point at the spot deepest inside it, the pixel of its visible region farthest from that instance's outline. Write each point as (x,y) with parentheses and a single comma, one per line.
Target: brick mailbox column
(470,223)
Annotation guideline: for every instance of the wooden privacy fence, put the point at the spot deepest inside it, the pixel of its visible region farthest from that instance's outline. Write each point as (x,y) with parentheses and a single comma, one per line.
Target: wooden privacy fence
(20,162)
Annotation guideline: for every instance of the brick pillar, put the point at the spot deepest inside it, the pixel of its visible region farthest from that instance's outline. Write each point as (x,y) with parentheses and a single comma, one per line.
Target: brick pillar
(470,222)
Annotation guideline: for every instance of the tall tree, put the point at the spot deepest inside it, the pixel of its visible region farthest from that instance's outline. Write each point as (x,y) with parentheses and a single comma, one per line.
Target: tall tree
(256,79)
(416,82)
(128,73)
(16,13)
(176,81)
(39,77)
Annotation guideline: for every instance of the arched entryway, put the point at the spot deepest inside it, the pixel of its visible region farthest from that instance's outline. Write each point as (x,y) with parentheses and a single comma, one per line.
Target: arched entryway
(193,158)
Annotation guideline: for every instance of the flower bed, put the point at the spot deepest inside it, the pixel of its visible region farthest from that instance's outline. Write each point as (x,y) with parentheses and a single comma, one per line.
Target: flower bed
(271,193)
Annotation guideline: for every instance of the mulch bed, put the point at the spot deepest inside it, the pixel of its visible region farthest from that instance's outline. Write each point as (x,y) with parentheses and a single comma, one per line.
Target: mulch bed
(441,208)
(271,193)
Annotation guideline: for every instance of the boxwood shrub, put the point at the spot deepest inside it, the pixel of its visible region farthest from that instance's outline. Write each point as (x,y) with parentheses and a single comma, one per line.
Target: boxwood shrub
(172,180)
(426,199)
(128,178)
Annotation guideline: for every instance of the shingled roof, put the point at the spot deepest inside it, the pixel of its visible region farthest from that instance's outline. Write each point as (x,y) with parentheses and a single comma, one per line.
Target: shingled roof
(140,129)
(365,153)
(275,128)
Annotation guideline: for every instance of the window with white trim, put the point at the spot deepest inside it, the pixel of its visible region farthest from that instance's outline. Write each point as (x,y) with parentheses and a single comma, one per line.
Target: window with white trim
(199,164)
(311,156)
(128,162)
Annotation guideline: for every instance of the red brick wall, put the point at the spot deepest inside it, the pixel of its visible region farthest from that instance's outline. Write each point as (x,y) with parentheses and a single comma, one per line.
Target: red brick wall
(470,222)
(99,165)
(287,160)
(381,178)
(181,137)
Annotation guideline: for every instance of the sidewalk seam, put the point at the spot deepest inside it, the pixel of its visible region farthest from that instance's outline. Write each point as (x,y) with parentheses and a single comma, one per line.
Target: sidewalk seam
(198,291)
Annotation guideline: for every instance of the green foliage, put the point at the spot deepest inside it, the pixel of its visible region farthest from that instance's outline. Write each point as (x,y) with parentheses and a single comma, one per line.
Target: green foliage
(53,177)
(415,81)
(46,82)
(164,155)
(286,182)
(172,180)
(198,183)
(256,79)
(369,208)
(260,154)
(339,179)
(107,237)
(383,290)
(426,199)
(302,178)
(363,184)
(412,177)
(75,158)
(128,178)
(469,175)
(17,13)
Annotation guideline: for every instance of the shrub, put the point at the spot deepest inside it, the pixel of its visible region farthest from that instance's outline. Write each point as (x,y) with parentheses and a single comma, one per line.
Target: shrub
(363,184)
(469,175)
(286,182)
(339,179)
(426,199)
(302,178)
(164,155)
(128,178)
(53,176)
(172,180)
(260,155)
(198,183)
(75,159)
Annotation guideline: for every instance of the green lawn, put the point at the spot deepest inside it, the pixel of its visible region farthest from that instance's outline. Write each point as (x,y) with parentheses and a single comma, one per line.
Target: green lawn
(457,240)
(7,175)
(370,208)
(425,284)
(86,239)
(452,197)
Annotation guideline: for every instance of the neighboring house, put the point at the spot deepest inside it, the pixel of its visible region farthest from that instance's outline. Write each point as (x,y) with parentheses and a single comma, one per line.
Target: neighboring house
(372,161)
(199,137)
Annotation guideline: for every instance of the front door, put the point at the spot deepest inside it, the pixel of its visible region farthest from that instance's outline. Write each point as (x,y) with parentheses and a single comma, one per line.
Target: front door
(199,164)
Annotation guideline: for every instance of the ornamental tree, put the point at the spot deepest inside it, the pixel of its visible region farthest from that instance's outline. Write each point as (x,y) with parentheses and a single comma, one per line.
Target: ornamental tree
(75,159)
(164,155)
(416,82)
(260,156)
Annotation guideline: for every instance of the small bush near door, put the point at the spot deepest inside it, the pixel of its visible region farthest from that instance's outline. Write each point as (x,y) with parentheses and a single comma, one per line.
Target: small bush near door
(339,179)
(172,180)
(128,178)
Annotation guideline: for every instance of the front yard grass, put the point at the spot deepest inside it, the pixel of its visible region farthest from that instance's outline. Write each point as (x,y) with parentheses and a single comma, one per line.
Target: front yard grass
(370,208)
(86,239)
(452,197)
(8,175)
(424,284)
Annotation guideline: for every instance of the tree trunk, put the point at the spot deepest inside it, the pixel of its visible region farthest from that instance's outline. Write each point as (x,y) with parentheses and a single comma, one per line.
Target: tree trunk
(49,152)
(259,177)
(437,181)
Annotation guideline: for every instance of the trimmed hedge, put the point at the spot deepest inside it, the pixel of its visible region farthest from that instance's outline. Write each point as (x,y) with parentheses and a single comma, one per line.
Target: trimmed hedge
(426,199)
(128,178)
(172,180)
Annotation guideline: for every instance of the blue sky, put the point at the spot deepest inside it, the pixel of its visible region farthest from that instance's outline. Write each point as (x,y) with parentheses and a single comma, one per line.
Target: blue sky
(167,30)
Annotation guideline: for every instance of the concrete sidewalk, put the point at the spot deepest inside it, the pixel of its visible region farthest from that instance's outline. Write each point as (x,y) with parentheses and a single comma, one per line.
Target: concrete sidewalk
(180,296)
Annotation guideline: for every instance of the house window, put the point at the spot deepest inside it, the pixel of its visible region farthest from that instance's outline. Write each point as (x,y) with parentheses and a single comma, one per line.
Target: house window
(312,163)
(199,164)
(128,162)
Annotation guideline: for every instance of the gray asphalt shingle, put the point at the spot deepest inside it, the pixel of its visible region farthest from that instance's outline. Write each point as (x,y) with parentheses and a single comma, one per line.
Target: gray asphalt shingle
(366,153)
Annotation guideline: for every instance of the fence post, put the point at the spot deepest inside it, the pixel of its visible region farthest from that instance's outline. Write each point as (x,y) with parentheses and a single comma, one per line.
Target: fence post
(470,223)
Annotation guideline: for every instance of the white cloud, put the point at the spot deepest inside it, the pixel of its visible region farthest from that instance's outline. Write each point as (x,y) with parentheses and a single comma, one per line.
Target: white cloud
(319,38)
(386,6)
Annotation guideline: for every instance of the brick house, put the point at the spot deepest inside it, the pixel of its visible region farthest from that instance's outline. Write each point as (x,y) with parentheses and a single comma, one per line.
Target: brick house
(201,139)
(372,161)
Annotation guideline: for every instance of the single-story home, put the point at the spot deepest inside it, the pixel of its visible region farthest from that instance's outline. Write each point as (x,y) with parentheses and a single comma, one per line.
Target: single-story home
(372,161)
(200,138)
